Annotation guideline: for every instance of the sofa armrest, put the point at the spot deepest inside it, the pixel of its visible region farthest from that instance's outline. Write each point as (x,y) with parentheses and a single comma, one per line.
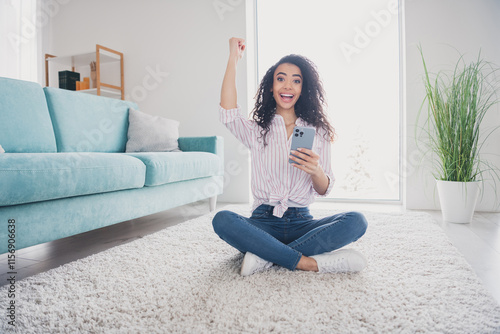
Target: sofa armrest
(214,144)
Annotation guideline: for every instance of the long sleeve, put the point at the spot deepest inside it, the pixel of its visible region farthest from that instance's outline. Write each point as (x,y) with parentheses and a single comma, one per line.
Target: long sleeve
(241,127)
(325,161)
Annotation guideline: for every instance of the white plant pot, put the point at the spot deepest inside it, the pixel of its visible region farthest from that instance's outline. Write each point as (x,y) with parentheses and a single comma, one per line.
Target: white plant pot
(458,200)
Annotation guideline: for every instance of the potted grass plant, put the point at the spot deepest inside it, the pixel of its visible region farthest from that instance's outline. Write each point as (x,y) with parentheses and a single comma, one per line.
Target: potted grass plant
(457,104)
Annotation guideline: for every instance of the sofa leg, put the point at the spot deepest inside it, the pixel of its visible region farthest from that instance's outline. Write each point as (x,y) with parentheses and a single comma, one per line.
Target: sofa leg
(212,201)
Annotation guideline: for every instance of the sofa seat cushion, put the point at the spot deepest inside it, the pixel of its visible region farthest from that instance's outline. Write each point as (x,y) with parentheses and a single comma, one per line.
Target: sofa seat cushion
(167,167)
(26,178)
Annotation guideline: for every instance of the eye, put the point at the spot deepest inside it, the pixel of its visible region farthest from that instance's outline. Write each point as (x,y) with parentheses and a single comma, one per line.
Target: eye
(297,81)
(280,79)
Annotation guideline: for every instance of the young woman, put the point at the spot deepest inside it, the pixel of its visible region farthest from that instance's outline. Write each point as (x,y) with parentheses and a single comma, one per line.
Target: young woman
(281,229)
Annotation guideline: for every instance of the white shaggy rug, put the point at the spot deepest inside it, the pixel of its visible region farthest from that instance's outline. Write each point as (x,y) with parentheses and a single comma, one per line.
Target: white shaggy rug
(184,279)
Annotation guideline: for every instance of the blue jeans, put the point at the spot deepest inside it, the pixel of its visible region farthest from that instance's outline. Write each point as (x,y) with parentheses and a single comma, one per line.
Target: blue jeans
(284,240)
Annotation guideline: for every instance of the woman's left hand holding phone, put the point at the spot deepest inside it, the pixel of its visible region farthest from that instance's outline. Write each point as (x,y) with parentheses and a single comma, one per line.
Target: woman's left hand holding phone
(309,163)
(307,160)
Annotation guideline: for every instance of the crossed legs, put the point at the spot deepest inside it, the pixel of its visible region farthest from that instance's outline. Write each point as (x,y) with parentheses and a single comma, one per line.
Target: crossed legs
(289,241)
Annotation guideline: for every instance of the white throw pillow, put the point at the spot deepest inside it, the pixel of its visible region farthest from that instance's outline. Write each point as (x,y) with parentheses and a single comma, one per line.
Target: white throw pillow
(147,133)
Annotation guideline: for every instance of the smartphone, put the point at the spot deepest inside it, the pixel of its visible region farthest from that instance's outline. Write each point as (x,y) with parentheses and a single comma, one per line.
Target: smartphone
(302,136)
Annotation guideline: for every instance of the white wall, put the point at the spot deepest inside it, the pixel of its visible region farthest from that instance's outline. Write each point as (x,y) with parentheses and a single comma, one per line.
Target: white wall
(441,27)
(186,39)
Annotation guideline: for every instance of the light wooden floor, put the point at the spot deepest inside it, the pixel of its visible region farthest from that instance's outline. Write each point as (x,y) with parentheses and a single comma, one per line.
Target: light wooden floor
(478,241)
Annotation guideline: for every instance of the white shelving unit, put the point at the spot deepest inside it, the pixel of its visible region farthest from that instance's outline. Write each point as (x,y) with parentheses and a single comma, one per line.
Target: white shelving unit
(101,56)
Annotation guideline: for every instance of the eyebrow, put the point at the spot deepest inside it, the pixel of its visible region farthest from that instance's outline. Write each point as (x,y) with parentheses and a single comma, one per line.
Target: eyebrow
(293,75)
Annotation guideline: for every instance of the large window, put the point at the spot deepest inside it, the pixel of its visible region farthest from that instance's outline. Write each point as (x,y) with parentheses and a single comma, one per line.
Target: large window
(355,45)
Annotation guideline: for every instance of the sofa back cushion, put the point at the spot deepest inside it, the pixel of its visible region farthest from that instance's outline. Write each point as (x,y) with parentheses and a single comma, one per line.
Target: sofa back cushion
(88,123)
(25,125)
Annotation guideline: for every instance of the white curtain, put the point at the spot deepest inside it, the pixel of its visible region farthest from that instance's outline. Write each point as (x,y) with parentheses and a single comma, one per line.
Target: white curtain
(20,40)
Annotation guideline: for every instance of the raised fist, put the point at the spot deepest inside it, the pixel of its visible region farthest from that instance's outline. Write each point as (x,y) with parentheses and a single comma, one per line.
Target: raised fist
(236,47)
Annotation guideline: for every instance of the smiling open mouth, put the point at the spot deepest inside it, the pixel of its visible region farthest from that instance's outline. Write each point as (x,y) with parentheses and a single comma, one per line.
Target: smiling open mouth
(286,97)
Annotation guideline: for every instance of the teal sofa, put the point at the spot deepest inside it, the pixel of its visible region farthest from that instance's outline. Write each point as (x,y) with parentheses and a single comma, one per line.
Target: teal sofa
(65,170)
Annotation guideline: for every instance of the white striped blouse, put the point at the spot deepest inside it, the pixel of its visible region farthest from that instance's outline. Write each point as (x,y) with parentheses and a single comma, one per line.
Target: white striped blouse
(274,180)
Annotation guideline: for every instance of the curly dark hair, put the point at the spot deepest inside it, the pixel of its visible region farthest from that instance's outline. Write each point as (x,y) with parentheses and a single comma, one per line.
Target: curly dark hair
(309,106)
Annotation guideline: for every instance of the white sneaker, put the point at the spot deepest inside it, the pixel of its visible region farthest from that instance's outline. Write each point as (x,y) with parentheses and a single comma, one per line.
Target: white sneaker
(253,264)
(344,260)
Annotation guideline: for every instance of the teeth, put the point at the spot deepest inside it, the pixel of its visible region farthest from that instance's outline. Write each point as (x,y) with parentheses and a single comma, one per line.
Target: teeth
(286,95)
